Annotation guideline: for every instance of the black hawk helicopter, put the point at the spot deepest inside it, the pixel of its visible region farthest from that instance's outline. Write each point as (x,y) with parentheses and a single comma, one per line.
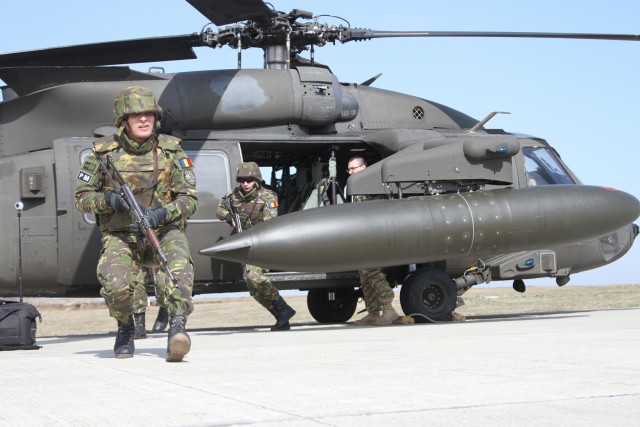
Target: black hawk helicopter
(463,204)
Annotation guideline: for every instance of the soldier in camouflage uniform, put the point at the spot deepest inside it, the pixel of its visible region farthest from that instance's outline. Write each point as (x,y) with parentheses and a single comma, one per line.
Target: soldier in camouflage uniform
(254,204)
(377,292)
(162,179)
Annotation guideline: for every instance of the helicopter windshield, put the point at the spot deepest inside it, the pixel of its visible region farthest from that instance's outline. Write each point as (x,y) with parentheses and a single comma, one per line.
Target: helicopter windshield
(544,168)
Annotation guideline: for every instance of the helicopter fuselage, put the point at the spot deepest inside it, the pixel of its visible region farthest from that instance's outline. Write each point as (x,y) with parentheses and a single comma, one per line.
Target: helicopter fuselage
(298,124)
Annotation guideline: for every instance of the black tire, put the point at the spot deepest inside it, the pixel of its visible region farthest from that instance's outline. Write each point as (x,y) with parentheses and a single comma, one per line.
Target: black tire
(338,310)
(428,295)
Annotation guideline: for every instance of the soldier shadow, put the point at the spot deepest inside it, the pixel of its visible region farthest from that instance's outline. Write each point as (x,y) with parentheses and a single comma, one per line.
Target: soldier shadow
(70,338)
(295,327)
(314,326)
(151,346)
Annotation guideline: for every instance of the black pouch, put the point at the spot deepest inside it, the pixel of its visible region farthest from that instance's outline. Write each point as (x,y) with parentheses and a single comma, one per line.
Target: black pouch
(18,326)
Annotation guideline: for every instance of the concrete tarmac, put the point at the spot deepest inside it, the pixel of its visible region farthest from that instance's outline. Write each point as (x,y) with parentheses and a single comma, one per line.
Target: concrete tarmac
(568,369)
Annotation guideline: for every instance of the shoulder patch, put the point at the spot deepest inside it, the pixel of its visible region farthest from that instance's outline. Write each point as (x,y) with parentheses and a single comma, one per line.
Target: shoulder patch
(90,166)
(185,163)
(190,177)
(84,177)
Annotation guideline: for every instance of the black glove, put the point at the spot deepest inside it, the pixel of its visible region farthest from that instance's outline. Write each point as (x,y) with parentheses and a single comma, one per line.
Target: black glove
(156,217)
(116,201)
(229,219)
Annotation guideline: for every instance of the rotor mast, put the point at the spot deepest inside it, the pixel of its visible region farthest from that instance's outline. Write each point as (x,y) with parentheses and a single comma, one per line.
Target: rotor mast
(278,35)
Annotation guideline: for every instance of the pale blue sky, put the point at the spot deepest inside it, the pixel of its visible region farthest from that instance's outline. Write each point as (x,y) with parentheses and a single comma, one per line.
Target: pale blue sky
(582,96)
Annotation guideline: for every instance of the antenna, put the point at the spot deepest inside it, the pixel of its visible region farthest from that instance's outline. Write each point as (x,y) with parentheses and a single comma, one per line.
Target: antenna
(19,206)
(485,120)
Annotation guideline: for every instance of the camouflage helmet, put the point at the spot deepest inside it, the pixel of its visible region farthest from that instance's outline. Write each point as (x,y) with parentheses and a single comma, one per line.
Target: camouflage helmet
(134,100)
(249,170)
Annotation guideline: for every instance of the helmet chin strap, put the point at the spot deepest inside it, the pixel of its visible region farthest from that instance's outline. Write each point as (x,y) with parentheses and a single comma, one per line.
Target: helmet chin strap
(121,129)
(130,144)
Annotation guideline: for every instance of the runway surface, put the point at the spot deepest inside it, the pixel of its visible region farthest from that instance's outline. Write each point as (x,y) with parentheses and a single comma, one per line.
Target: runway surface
(569,369)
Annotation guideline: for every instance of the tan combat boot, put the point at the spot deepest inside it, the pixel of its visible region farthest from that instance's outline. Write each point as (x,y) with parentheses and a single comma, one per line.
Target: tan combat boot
(370,319)
(179,342)
(457,317)
(389,315)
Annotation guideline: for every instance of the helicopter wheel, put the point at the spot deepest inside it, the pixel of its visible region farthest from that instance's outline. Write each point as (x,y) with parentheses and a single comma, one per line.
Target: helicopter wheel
(338,309)
(428,295)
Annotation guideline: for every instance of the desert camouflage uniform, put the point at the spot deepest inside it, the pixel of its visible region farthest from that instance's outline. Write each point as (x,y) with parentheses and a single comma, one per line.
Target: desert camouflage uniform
(260,204)
(375,288)
(159,174)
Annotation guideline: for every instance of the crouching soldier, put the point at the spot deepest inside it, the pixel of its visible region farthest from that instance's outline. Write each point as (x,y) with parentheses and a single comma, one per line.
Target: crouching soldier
(252,203)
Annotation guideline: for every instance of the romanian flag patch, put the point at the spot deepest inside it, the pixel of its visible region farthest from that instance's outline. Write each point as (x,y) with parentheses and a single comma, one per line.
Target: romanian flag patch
(186,163)
(272,205)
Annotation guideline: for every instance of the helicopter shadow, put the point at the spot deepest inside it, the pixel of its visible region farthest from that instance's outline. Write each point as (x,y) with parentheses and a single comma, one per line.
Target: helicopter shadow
(543,315)
(160,351)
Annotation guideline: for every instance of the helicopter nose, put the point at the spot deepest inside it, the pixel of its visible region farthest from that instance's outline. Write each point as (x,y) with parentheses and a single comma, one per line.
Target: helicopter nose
(614,245)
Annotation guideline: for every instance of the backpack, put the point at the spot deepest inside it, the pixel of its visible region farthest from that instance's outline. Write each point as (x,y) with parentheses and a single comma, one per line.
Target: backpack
(18,326)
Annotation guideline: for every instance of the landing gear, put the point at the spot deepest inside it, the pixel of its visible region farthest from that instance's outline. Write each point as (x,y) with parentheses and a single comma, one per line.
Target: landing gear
(332,305)
(428,295)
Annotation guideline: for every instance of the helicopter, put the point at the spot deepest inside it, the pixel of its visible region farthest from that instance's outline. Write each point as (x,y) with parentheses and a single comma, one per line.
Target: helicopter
(295,117)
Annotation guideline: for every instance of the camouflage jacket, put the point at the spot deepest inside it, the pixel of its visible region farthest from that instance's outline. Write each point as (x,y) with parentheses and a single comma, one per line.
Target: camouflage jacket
(258,205)
(166,179)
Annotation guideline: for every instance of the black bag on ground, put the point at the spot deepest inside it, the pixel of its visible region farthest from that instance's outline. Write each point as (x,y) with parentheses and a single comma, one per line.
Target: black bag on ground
(18,326)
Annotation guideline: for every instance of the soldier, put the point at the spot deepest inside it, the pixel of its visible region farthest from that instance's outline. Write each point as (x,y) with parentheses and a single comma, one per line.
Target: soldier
(254,204)
(148,275)
(376,291)
(161,176)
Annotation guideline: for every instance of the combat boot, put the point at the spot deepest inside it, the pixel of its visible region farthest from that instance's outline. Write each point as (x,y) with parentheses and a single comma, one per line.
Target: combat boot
(124,346)
(282,312)
(457,317)
(161,320)
(389,314)
(139,331)
(370,319)
(178,343)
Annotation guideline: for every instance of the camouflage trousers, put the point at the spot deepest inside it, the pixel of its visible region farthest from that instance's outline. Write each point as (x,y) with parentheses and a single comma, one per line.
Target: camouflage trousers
(149,277)
(119,272)
(260,287)
(375,288)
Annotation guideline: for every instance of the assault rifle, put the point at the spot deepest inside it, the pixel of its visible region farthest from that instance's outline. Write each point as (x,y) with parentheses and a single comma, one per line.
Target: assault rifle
(139,213)
(236,217)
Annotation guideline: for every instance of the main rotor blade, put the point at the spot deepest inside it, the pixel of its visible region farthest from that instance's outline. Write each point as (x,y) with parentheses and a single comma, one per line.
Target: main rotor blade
(108,53)
(25,80)
(223,12)
(356,34)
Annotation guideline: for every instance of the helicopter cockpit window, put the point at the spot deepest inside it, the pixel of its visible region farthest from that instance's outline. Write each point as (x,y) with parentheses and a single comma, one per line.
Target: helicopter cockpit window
(544,168)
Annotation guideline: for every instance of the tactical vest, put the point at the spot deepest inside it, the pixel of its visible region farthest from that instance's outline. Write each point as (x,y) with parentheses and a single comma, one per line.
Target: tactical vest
(250,207)
(148,175)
